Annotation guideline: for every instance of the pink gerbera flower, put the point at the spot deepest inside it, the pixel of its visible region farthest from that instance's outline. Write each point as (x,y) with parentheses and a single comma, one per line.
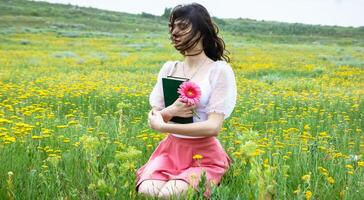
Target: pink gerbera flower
(190,93)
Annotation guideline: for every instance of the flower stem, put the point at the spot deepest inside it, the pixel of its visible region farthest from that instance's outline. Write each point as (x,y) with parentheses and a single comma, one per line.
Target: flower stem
(195,113)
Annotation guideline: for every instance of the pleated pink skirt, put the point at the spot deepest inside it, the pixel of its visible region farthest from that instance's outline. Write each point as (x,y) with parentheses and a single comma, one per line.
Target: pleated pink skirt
(174,159)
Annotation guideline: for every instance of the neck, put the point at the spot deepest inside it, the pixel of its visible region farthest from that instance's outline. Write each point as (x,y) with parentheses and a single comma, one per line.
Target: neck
(195,61)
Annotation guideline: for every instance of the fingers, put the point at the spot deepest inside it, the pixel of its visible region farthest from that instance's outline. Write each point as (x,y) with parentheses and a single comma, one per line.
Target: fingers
(186,115)
(150,114)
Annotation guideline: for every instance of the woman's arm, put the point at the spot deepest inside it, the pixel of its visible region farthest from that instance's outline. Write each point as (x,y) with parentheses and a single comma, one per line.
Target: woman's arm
(210,127)
(165,113)
(176,109)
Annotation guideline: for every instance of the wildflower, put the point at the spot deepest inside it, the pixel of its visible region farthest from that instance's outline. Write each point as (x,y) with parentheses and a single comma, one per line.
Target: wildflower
(237,153)
(342,194)
(62,126)
(338,155)
(308,194)
(306,177)
(190,94)
(330,180)
(77,144)
(73,122)
(34,137)
(361,163)
(349,166)
(237,142)
(45,167)
(197,157)
(266,163)
(323,134)
(5,121)
(297,191)
(323,171)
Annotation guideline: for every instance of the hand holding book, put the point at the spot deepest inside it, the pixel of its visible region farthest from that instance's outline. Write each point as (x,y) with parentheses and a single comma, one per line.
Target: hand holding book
(180,109)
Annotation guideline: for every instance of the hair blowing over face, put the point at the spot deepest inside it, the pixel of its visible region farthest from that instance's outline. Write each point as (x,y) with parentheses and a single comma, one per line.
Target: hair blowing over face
(202,26)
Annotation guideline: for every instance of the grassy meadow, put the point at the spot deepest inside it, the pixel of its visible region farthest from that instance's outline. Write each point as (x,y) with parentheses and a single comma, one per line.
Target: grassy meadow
(74,103)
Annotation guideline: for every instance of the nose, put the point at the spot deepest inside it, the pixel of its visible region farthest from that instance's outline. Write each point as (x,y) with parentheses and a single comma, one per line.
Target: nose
(175,30)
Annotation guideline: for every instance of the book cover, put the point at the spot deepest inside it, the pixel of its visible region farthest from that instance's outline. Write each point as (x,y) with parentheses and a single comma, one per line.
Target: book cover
(170,86)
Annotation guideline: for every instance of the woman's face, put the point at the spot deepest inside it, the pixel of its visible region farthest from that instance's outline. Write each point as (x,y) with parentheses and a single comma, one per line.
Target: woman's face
(180,30)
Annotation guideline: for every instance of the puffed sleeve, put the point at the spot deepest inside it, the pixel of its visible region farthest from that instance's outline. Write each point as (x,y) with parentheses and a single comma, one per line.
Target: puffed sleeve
(156,98)
(223,95)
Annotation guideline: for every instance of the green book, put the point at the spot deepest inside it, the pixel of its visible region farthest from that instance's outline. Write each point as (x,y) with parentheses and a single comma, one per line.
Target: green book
(170,87)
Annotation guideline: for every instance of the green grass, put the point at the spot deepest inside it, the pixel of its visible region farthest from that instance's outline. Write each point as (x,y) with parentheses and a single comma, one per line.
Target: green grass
(64,80)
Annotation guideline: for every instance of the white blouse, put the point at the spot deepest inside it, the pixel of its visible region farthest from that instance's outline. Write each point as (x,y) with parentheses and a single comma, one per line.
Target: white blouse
(218,91)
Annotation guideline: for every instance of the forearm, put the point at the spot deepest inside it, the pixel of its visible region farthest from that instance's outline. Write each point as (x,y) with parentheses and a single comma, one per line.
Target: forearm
(204,128)
(165,114)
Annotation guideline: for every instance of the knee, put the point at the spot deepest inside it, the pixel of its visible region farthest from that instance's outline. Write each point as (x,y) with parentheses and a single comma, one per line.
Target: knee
(173,191)
(168,194)
(165,194)
(146,190)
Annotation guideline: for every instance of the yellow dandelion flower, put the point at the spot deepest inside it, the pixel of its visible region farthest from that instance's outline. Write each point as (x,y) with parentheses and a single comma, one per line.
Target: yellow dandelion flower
(35,137)
(306,127)
(323,171)
(297,191)
(237,153)
(73,122)
(338,155)
(62,126)
(197,157)
(342,193)
(45,167)
(349,166)
(275,154)
(324,134)
(237,142)
(308,194)
(306,177)
(361,163)
(330,180)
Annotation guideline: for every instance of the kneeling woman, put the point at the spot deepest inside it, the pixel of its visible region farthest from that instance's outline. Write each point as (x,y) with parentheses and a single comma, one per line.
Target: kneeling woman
(189,149)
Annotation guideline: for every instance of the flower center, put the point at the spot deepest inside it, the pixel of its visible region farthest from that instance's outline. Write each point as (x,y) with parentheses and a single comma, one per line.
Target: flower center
(189,93)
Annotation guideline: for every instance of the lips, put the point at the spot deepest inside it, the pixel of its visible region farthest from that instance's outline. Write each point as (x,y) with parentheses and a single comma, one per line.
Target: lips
(175,40)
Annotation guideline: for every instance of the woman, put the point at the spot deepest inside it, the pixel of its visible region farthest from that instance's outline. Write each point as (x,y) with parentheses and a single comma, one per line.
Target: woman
(190,149)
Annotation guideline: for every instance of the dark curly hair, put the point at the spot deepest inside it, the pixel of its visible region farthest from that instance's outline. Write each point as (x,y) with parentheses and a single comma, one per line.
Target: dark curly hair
(203,27)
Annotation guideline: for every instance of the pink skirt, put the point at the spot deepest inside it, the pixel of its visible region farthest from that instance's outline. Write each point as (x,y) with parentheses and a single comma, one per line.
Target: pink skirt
(173,159)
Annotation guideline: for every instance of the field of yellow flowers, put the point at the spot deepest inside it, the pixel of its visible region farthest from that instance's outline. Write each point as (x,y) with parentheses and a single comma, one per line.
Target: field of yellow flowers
(73,117)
